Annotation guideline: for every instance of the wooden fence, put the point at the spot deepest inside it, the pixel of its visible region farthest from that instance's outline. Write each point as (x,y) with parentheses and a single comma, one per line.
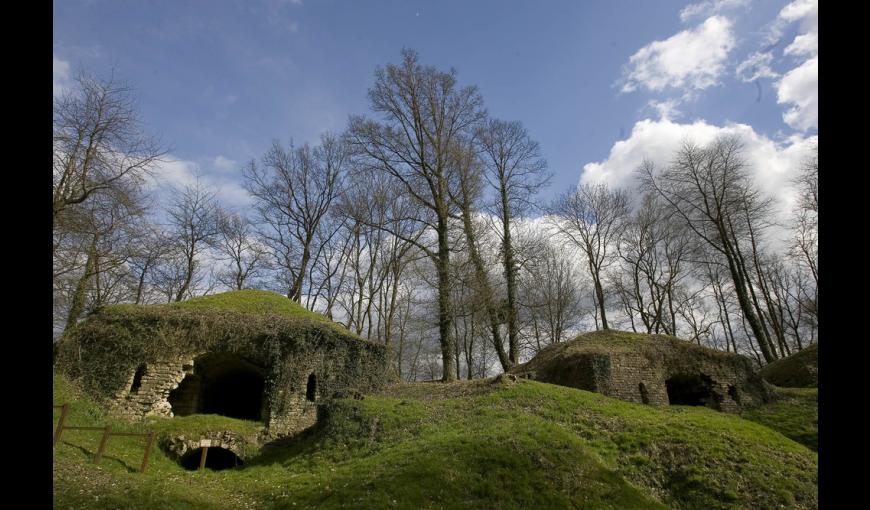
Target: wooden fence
(107,432)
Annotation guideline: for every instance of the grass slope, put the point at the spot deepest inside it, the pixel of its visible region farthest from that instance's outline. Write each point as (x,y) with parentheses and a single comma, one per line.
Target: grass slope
(794,412)
(258,302)
(464,445)
(800,370)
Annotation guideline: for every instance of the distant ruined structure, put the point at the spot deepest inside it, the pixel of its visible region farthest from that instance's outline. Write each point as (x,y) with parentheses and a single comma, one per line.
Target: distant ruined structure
(649,369)
(264,362)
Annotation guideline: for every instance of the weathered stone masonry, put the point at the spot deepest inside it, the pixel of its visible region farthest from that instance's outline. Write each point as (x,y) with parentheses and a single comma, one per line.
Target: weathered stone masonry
(142,363)
(647,368)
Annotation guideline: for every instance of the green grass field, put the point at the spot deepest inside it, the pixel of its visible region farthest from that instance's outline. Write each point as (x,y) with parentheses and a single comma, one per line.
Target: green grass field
(476,444)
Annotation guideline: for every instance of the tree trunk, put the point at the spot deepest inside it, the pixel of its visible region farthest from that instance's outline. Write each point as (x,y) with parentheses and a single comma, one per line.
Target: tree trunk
(78,300)
(296,290)
(599,294)
(448,371)
(485,289)
(510,273)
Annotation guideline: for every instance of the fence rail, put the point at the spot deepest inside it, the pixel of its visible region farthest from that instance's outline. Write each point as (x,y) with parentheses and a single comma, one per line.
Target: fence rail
(104,441)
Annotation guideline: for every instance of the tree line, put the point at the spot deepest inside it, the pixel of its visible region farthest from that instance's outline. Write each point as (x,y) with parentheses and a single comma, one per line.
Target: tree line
(420,227)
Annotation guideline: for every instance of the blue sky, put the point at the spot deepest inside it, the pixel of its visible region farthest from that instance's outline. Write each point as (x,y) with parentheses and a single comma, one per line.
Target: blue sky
(598,83)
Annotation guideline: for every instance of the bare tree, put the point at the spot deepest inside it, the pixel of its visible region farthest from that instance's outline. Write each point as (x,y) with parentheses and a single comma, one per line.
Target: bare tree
(550,295)
(193,215)
(592,218)
(805,247)
(709,189)
(236,245)
(98,142)
(655,252)
(469,170)
(516,172)
(96,247)
(151,245)
(294,191)
(423,113)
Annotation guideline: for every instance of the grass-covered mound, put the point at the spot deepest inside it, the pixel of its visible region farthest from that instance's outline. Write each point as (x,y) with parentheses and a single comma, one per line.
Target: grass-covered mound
(794,412)
(800,370)
(613,341)
(647,368)
(263,327)
(465,445)
(259,302)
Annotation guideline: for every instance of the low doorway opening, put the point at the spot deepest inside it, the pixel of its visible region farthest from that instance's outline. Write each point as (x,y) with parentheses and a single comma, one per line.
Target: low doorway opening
(692,390)
(216,459)
(221,384)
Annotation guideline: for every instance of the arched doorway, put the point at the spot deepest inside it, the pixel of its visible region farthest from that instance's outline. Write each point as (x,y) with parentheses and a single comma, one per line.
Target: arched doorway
(692,390)
(221,384)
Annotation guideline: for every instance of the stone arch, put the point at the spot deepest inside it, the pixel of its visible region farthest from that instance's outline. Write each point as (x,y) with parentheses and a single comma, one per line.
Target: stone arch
(693,390)
(221,383)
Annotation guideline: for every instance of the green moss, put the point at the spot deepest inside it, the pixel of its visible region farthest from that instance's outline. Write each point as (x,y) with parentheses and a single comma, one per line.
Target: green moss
(248,301)
(263,327)
(471,445)
(613,341)
(800,370)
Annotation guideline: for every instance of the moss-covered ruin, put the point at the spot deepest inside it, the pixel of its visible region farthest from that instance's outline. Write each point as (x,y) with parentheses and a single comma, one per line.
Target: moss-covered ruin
(649,369)
(248,354)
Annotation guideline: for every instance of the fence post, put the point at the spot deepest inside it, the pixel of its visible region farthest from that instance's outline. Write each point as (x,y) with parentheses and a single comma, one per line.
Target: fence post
(147,451)
(202,458)
(59,430)
(106,432)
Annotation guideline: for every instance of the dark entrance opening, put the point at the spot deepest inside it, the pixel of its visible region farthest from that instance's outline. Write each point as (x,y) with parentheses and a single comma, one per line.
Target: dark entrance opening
(692,390)
(311,388)
(733,393)
(216,459)
(221,384)
(137,379)
(644,396)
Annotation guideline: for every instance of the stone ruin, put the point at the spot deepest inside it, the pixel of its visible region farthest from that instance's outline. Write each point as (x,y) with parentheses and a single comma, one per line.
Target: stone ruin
(649,369)
(160,360)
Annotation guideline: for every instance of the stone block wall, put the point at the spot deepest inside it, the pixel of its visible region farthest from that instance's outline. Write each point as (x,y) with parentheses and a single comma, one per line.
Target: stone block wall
(286,409)
(640,375)
(152,396)
(734,386)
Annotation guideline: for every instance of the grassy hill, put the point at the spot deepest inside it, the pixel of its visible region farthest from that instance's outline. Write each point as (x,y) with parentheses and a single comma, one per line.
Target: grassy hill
(480,444)
(794,412)
(800,370)
(252,301)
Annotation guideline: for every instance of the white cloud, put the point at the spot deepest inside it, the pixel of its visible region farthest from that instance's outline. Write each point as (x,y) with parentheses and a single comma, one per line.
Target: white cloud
(692,59)
(800,88)
(807,11)
(224,164)
(709,8)
(60,76)
(666,110)
(772,164)
(178,173)
(756,66)
(806,44)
